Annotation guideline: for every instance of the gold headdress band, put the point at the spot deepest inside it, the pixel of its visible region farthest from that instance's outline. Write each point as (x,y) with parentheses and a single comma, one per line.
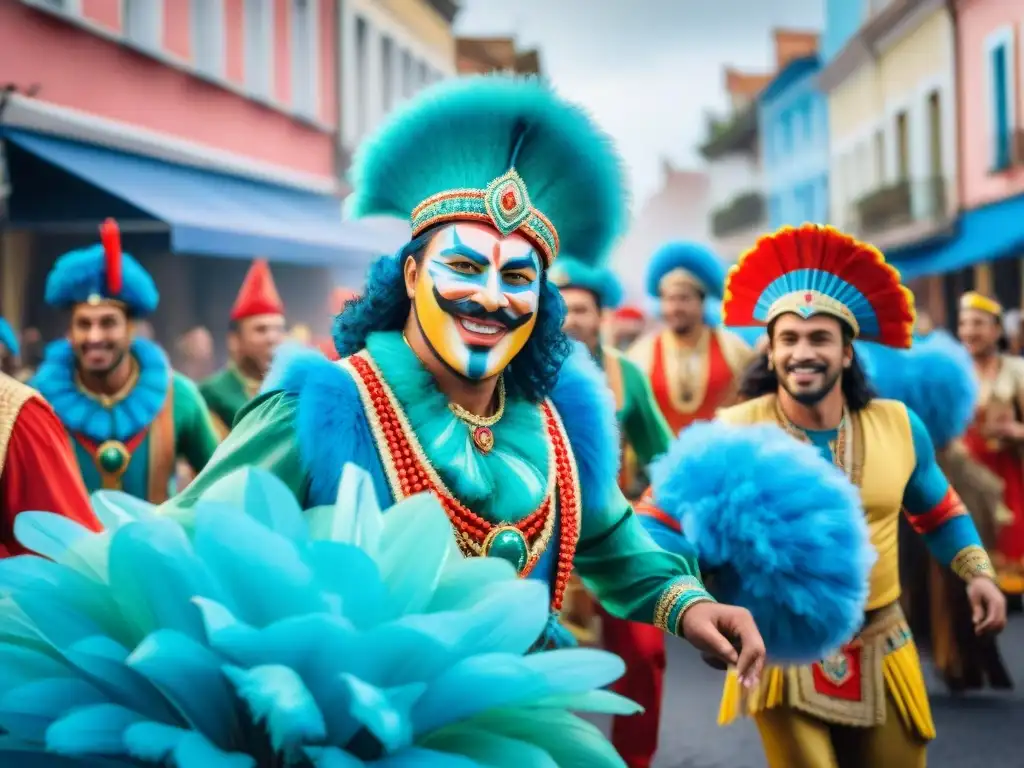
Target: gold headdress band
(808,303)
(975,300)
(504,204)
(680,276)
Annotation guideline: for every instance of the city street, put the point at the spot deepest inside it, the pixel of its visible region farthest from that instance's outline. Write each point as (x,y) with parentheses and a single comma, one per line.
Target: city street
(976,730)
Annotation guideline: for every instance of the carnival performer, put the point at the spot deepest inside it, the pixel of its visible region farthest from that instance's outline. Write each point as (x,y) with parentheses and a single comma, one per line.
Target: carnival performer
(129,415)
(9,347)
(935,379)
(817,290)
(996,438)
(587,291)
(693,369)
(256,329)
(625,326)
(37,467)
(457,378)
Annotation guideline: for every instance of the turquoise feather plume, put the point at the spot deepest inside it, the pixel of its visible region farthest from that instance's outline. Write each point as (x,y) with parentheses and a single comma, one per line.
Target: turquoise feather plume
(246,633)
(570,272)
(465,132)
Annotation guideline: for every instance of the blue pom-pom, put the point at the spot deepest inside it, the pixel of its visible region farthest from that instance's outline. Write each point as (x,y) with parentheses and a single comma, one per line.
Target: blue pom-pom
(781,527)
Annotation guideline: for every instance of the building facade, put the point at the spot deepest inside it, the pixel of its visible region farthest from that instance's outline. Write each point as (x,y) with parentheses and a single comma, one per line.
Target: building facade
(481,55)
(793,115)
(893,131)
(206,127)
(389,50)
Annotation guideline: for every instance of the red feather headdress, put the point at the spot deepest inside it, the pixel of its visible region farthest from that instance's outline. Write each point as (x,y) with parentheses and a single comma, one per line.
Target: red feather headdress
(110,237)
(811,270)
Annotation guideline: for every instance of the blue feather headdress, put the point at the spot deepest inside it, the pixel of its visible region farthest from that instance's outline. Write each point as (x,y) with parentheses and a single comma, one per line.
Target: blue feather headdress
(570,272)
(249,633)
(688,262)
(9,339)
(935,379)
(501,150)
(767,516)
(102,273)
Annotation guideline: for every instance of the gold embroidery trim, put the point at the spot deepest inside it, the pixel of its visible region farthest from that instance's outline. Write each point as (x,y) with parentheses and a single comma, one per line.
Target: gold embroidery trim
(971,562)
(686,370)
(13,395)
(686,590)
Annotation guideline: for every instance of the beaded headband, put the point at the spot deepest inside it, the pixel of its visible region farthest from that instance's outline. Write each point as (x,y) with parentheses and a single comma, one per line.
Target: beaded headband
(504,204)
(974,300)
(809,303)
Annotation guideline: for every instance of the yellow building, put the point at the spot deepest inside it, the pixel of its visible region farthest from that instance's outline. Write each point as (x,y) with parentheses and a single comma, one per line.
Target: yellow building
(892,113)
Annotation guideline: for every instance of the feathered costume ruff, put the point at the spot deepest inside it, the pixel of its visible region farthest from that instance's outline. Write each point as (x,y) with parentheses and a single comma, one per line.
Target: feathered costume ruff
(805,263)
(9,339)
(366,639)
(328,403)
(84,415)
(935,379)
(466,132)
(570,272)
(102,272)
(699,260)
(781,531)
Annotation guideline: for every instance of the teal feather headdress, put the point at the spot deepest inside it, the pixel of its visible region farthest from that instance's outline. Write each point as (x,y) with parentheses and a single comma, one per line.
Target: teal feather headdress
(9,339)
(570,272)
(248,633)
(689,261)
(506,151)
(102,273)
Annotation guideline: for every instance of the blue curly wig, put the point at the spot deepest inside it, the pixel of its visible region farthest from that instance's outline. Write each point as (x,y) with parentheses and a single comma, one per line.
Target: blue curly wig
(697,259)
(935,379)
(767,515)
(384,306)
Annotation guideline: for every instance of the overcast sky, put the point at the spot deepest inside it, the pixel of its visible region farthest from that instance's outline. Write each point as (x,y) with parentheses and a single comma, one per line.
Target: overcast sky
(647,76)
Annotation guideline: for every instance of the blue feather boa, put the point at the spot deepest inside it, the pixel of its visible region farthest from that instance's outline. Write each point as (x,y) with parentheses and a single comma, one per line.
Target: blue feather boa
(81,414)
(329,406)
(783,530)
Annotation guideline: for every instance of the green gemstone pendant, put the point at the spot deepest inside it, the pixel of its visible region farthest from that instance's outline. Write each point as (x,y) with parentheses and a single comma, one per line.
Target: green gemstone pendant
(509,544)
(112,457)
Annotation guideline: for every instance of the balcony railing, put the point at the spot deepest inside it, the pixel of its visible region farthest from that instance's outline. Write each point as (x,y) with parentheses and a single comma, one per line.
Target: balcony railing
(742,213)
(899,204)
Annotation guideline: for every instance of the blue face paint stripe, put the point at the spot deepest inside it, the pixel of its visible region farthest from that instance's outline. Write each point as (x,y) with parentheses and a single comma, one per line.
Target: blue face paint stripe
(459,248)
(528,261)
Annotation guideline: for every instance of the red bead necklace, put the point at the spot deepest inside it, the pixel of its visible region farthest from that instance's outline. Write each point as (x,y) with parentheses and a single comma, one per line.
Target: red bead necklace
(409,472)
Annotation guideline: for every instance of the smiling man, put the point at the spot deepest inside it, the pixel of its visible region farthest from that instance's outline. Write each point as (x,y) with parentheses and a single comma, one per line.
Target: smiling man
(456,378)
(129,415)
(817,290)
(257,328)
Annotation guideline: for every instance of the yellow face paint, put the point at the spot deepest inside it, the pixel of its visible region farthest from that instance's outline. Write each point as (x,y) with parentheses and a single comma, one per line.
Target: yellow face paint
(476,298)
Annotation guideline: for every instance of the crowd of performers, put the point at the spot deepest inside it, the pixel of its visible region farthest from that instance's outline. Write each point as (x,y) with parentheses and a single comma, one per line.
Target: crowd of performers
(787,430)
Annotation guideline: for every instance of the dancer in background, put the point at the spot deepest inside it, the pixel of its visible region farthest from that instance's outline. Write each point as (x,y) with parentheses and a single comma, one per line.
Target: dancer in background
(693,369)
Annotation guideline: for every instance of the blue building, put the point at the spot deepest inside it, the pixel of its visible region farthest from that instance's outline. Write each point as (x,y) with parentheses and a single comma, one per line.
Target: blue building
(793,116)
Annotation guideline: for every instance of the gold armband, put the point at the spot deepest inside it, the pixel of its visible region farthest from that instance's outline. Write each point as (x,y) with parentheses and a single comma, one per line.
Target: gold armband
(971,562)
(682,593)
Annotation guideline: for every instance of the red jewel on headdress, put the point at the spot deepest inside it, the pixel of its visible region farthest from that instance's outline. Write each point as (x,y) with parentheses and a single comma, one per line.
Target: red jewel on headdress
(509,201)
(808,298)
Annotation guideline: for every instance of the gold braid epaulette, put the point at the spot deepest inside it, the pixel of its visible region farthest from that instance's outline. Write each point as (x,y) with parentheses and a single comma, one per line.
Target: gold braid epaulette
(682,593)
(973,561)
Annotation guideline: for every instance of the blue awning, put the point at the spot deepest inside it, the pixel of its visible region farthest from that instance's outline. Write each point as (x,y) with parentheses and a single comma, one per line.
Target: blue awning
(995,231)
(211,213)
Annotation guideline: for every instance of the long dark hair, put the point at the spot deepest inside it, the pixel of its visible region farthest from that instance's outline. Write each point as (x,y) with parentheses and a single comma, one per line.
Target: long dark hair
(758,379)
(384,306)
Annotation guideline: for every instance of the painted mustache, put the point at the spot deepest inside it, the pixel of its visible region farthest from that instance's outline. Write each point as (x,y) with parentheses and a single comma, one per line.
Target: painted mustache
(469,308)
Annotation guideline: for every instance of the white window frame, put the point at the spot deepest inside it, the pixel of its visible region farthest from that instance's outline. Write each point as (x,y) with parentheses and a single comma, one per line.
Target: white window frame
(308,104)
(216,67)
(1002,36)
(259,74)
(152,31)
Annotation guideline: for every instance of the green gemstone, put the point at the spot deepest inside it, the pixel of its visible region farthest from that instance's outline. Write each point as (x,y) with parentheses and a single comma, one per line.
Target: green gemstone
(509,545)
(111,460)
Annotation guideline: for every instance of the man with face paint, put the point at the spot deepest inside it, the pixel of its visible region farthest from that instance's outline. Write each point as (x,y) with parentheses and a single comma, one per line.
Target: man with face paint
(129,415)
(456,378)
(996,438)
(693,369)
(587,292)
(817,290)
(257,328)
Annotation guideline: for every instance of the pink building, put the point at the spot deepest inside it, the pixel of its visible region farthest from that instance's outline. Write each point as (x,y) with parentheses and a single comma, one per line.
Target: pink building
(207,127)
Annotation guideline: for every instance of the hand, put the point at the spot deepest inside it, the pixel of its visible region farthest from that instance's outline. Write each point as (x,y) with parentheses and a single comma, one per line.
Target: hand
(719,630)
(988,606)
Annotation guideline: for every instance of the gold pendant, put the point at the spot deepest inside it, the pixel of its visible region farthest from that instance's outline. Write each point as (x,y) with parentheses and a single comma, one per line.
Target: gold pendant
(483,438)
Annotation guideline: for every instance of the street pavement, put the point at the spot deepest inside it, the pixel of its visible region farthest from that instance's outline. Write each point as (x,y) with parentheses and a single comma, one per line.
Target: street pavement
(974,731)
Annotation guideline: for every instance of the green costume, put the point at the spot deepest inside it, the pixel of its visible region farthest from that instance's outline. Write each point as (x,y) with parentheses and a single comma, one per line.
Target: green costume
(130,441)
(537,485)
(225,393)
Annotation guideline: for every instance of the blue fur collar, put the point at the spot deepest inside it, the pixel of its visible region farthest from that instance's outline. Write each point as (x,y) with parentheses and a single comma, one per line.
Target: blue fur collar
(83,415)
(329,405)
